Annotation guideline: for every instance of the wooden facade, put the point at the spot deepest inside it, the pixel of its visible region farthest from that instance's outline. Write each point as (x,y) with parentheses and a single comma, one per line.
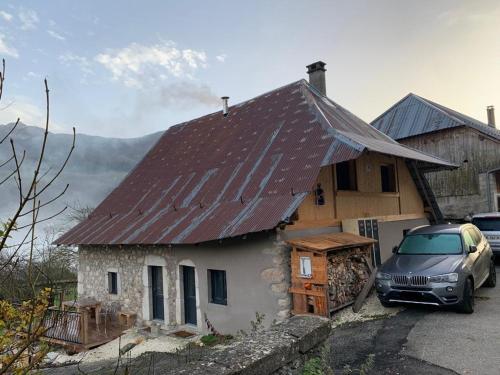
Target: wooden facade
(475,152)
(367,200)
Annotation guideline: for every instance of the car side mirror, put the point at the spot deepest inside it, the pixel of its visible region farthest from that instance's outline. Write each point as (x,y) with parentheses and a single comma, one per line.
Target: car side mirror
(395,249)
(472,249)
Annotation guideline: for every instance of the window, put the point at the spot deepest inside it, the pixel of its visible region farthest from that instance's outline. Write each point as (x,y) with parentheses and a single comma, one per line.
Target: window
(487,224)
(346,175)
(305,267)
(218,287)
(112,282)
(388,176)
(431,244)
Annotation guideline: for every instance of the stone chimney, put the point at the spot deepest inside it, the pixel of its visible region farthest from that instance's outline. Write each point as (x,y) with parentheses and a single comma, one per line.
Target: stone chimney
(490,110)
(316,73)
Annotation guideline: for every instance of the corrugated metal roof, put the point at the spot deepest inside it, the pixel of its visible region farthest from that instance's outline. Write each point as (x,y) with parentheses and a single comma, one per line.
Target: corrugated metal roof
(216,177)
(414,115)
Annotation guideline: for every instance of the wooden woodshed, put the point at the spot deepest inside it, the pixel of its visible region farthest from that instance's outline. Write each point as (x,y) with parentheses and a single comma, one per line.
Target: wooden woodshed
(328,271)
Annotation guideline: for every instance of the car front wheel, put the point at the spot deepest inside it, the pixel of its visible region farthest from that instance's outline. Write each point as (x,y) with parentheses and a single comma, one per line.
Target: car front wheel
(467,305)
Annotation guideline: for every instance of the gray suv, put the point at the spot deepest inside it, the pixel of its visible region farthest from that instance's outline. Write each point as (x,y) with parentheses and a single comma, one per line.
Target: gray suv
(438,265)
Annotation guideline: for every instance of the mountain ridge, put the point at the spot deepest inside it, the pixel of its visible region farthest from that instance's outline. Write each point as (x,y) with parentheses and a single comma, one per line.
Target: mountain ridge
(95,168)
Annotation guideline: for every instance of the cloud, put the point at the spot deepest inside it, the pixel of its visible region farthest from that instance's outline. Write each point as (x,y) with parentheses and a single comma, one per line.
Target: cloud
(137,65)
(6,16)
(69,59)
(221,57)
(5,49)
(55,35)
(29,19)
(462,16)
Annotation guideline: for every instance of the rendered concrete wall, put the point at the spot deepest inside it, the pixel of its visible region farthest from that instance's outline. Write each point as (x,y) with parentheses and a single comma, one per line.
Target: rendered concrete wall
(460,206)
(257,275)
(391,233)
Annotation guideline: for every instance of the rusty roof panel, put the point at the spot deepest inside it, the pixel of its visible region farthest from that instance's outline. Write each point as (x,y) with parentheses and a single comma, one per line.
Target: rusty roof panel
(216,177)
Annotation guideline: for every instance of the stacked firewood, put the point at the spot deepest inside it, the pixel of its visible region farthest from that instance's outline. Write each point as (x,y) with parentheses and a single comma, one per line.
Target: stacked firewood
(347,274)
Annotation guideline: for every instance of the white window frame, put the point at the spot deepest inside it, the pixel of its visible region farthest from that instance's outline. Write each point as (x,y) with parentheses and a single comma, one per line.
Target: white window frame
(304,263)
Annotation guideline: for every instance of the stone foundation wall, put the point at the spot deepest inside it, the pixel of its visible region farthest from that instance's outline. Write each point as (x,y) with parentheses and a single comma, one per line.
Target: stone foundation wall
(257,276)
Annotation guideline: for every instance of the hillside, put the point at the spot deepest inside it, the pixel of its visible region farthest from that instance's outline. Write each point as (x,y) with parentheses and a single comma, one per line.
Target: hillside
(97,165)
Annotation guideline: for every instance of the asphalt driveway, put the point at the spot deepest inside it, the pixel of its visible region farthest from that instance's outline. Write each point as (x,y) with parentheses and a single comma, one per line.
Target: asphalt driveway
(425,341)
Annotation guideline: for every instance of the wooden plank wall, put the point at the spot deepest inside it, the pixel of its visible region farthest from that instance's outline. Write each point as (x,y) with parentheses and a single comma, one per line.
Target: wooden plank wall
(368,201)
(316,296)
(318,265)
(457,145)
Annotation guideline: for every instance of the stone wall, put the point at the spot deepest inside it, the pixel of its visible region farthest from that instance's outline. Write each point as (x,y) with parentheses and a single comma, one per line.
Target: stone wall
(257,273)
(94,263)
(288,344)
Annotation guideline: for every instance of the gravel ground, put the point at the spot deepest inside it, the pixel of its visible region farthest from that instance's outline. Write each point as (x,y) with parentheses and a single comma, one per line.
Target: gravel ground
(372,309)
(143,343)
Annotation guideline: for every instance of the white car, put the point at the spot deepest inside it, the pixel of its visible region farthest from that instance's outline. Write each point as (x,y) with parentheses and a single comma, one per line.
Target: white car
(489,225)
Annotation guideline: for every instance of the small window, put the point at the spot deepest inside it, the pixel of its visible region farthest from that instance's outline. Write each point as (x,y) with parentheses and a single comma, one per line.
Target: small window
(346,175)
(112,283)
(218,287)
(388,176)
(305,267)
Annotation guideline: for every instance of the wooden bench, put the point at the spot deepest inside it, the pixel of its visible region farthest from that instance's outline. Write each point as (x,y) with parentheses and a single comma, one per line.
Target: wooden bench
(127,318)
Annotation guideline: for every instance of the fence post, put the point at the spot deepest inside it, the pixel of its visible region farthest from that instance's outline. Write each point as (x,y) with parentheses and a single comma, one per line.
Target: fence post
(84,325)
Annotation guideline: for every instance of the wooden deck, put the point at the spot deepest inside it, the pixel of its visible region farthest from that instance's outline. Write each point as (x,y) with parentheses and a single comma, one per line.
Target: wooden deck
(78,331)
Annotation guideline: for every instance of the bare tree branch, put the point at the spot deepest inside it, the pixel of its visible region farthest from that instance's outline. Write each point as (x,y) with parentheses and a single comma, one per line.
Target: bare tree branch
(10,131)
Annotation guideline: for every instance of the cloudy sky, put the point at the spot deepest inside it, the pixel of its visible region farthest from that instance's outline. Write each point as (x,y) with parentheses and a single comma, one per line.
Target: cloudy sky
(128,68)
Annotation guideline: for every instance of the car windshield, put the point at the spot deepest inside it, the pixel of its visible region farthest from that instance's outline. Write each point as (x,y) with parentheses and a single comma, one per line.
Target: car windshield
(431,244)
(487,224)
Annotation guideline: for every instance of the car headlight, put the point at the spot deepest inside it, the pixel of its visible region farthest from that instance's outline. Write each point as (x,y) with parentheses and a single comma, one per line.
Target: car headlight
(446,278)
(383,276)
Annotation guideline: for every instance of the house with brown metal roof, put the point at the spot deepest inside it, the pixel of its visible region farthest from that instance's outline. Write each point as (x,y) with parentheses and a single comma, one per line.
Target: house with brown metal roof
(424,125)
(197,231)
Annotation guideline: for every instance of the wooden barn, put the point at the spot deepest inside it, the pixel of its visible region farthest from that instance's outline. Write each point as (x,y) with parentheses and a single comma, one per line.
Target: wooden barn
(475,146)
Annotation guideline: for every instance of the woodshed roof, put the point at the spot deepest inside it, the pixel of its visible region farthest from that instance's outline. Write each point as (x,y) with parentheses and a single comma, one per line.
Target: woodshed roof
(332,241)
